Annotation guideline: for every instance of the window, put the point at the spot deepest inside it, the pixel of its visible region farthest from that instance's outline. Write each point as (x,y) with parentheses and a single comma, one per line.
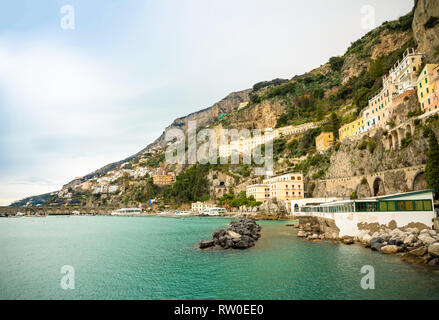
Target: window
(408,205)
(427,205)
(391,206)
(401,206)
(426,80)
(427,91)
(429,101)
(418,205)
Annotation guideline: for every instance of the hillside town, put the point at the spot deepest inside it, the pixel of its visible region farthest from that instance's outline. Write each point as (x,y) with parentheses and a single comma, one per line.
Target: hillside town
(409,77)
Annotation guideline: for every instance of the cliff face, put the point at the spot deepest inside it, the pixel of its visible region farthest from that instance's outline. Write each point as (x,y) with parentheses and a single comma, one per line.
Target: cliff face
(203,118)
(426,28)
(207,116)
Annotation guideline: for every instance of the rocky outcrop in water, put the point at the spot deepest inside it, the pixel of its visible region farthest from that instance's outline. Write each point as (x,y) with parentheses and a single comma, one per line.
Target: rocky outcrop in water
(240,234)
(273,207)
(413,245)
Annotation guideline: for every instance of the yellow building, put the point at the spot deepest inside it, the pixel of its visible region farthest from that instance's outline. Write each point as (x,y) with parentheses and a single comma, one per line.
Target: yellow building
(352,129)
(163,179)
(287,186)
(324,141)
(427,88)
(261,192)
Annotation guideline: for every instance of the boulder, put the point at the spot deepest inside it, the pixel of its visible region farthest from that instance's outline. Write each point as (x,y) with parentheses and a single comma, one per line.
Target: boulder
(390,249)
(376,244)
(386,237)
(397,233)
(218,233)
(434,262)
(410,239)
(206,244)
(313,236)
(244,243)
(396,241)
(376,240)
(415,259)
(301,234)
(366,239)
(348,240)
(414,231)
(433,249)
(418,252)
(233,235)
(274,207)
(426,238)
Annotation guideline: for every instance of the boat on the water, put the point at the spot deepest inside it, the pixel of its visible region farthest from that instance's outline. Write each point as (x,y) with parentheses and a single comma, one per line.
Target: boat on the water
(126,211)
(213,212)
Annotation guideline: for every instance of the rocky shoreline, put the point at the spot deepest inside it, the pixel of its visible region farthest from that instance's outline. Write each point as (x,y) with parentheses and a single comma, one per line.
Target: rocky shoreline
(411,244)
(240,234)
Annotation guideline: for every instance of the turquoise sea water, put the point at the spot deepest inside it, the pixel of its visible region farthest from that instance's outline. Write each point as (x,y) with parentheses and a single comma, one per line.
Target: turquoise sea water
(157,258)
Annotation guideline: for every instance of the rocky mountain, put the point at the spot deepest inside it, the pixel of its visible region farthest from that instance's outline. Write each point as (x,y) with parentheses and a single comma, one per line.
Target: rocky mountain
(426,27)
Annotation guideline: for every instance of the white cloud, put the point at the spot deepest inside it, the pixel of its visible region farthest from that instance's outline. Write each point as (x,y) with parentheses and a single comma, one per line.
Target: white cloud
(67,114)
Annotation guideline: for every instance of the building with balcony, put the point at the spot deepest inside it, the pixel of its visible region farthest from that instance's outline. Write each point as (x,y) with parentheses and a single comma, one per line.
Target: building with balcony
(401,78)
(261,192)
(284,187)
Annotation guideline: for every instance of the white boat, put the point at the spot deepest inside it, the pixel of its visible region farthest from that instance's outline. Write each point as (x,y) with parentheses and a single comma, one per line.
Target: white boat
(213,211)
(183,213)
(126,211)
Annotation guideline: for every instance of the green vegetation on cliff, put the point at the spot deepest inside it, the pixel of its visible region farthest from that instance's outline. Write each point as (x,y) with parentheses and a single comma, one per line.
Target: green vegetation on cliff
(432,168)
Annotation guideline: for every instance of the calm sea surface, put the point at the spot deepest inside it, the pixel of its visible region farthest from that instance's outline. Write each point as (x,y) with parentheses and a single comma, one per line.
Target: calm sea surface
(157,258)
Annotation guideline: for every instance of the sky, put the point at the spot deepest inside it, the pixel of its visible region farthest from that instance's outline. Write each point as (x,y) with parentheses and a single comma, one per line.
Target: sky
(75,98)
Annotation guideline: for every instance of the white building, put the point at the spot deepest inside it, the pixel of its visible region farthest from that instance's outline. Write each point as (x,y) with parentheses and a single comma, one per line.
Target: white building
(201,206)
(296,204)
(398,210)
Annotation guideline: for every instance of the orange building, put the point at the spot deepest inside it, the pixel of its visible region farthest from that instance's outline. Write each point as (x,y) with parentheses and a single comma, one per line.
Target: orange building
(163,179)
(324,141)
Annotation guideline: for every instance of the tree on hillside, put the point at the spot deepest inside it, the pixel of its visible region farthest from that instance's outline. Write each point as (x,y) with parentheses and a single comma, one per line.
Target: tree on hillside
(432,168)
(335,124)
(336,63)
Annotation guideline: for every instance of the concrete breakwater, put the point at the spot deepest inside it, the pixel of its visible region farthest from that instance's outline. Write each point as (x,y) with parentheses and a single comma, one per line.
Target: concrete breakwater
(410,243)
